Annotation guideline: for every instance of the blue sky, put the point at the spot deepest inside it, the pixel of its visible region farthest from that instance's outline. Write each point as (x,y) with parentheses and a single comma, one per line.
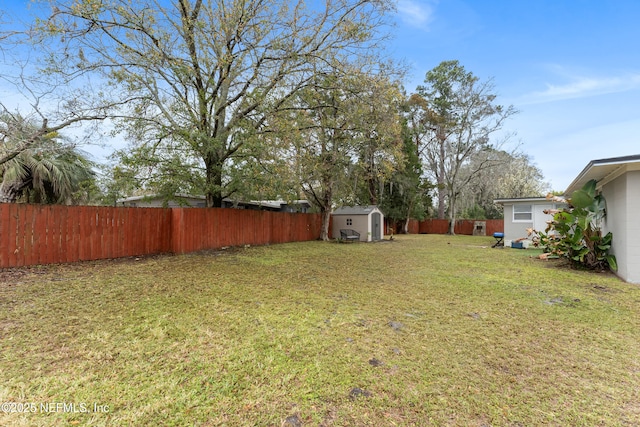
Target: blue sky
(571,67)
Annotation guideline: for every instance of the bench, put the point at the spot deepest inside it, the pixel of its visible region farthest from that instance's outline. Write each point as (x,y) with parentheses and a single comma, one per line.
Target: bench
(349,235)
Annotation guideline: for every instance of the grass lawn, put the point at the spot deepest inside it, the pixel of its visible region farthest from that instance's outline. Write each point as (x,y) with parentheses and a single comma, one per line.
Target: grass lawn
(425,330)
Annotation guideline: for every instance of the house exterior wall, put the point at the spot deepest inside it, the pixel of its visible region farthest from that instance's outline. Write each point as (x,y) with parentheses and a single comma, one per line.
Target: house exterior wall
(517,229)
(633,227)
(514,230)
(623,203)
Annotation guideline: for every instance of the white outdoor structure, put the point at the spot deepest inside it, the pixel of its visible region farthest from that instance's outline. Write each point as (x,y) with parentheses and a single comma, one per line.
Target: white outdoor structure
(366,220)
(619,181)
(523,213)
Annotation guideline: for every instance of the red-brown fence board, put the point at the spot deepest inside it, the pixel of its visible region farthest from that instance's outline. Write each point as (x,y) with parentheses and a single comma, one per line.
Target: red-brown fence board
(92,233)
(18,243)
(12,235)
(106,241)
(494,226)
(34,234)
(57,233)
(133,233)
(82,234)
(434,226)
(26,239)
(129,233)
(463,226)
(40,246)
(4,233)
(95,234)
(413,227)
(73,241)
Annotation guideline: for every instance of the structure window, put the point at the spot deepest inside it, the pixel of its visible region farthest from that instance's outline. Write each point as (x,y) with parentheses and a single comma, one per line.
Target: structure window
(349,221)
(522,213)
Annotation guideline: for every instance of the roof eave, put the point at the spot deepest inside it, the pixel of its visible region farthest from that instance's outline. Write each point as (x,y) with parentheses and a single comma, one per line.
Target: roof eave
(601,171)
(518,199)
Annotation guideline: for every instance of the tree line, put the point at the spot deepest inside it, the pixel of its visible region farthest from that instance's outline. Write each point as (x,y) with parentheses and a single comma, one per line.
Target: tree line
(251,99)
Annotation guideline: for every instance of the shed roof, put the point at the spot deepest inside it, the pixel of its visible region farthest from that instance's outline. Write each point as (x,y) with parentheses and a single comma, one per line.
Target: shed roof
(355,210)
(604,170)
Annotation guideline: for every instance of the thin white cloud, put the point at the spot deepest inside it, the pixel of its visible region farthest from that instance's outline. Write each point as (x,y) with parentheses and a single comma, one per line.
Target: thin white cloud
(584,87)
(415,13)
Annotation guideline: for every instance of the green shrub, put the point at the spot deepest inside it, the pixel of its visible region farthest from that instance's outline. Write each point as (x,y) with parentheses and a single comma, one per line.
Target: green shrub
(575,232)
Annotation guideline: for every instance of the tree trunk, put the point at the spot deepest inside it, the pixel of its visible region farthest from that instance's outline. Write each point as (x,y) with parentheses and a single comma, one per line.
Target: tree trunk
(371,184)
(326,219)
(9,192)
(213,183)
(325,208)
(452,215)
(373,200)
(405,226)
(441,203)
(6,198)
(441,175)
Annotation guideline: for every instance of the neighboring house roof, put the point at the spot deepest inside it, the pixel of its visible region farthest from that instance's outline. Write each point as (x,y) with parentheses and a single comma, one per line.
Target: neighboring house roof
(604,170)
(274,204)
(502,201)
(277,203)
(355,210)
(154,196)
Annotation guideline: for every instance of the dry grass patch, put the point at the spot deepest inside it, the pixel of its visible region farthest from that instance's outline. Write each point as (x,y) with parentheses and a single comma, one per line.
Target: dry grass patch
(425,330)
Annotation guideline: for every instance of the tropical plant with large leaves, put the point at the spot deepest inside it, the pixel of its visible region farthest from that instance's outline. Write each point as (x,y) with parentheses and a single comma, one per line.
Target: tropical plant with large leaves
(575,232)
(49,170)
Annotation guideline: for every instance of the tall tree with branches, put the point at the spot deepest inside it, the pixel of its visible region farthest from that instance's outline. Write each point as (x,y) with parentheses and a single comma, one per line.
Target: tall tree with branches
(460,117)
(332,142)
(206,75)
(407,192)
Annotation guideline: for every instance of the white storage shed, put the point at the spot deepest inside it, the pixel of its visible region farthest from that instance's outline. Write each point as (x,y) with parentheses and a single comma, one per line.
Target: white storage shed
(366,220)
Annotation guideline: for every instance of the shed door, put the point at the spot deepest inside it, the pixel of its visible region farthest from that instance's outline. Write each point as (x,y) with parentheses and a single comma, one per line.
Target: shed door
(376,226)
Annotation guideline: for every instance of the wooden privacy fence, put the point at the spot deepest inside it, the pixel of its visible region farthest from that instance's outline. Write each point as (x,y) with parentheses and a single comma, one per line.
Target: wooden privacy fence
(397,227)
(41,234)
(463,226)
(195,229)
